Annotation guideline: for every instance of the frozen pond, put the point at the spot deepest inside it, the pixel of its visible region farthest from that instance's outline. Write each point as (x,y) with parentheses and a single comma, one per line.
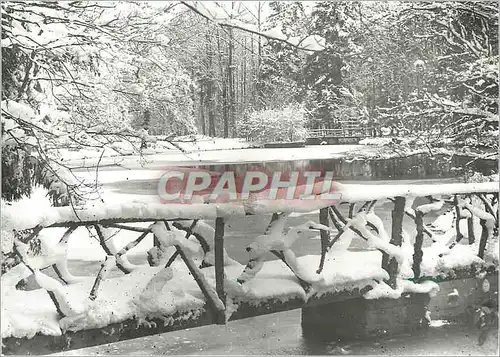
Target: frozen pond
(224,156)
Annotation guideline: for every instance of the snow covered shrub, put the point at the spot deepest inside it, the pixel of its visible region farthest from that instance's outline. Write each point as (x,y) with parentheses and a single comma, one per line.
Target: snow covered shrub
(479,177)
(286,124)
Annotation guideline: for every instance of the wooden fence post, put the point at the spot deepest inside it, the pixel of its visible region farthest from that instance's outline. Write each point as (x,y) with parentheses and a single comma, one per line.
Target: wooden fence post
(470,230)
(457,222)
(391,265)
(484,238)
(219,266)
(419,240)
(325,237)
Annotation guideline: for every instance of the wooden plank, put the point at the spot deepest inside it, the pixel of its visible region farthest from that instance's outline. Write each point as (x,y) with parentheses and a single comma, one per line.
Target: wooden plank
(24,259)
(371,205)
(132,244)
(470,225)
(335,220)
(339,215)
(189,229)
(487,205)
(219,265)
(64,240)
(363,207)
(102,240)
(125,249)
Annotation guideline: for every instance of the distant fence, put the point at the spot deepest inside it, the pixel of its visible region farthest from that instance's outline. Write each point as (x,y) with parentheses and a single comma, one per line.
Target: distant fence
(347,131)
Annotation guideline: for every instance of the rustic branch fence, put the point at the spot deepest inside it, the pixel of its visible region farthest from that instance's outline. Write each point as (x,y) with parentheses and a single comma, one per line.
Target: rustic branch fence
(466,201)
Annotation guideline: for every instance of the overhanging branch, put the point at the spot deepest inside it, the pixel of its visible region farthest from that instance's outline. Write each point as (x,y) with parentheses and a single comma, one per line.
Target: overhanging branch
(242,28)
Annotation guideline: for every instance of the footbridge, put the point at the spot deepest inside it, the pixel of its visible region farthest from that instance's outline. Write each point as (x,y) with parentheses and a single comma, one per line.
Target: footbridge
(349,133)
(188,279)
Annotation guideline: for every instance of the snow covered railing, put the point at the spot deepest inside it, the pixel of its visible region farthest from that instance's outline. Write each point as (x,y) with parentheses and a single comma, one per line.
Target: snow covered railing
(356,193)
(100,213)
(470,212)
(345,131)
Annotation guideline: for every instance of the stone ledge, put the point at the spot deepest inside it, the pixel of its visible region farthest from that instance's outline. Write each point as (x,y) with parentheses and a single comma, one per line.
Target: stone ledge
(360,318)
(357,317)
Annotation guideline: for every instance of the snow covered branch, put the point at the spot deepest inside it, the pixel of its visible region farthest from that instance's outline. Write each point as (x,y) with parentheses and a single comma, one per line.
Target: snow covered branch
(309,43)
(102,275)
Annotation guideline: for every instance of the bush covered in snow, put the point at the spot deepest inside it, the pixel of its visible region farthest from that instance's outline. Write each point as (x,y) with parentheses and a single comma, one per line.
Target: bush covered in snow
(285,124)
(479,177)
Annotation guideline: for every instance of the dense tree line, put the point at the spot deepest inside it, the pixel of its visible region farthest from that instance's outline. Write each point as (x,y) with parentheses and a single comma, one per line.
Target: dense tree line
(423,70)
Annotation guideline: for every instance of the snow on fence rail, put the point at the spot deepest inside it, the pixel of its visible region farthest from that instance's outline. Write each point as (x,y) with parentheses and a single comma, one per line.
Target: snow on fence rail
(394,264)
(345,131)
(135,212)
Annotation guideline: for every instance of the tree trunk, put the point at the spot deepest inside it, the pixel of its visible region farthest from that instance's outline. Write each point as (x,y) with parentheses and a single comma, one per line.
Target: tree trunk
(202,109)
(243,98)
(254,72)
(230,80)
(210,88)
(225,118)
(260,96)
